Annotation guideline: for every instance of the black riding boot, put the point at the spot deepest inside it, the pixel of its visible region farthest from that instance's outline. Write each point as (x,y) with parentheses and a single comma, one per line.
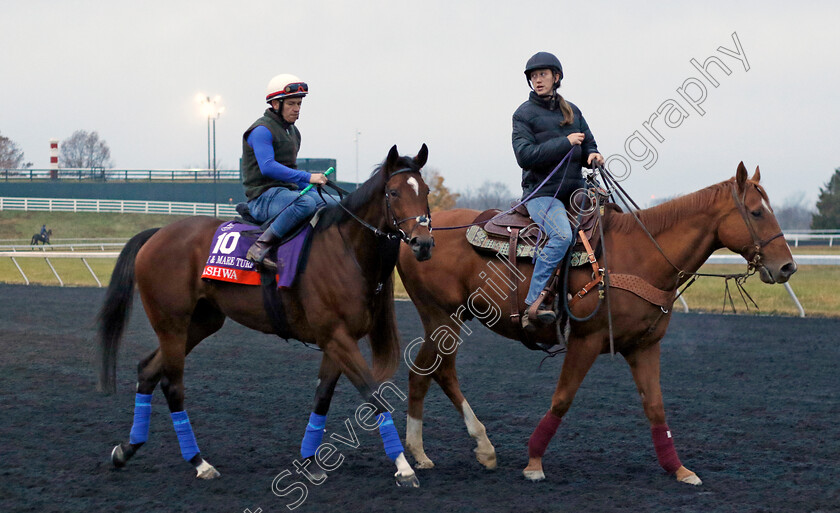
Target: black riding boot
(258,252)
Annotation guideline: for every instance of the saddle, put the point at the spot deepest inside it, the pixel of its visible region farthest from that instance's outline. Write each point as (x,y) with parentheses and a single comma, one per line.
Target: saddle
(517,229)
(245,217)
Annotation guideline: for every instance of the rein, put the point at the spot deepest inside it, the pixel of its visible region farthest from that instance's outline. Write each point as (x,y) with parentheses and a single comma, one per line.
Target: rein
(525,200)
(422,220)
(739,278)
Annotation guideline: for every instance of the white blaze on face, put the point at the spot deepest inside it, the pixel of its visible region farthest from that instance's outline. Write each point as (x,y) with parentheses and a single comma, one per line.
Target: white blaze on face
(414,185)
(765,205)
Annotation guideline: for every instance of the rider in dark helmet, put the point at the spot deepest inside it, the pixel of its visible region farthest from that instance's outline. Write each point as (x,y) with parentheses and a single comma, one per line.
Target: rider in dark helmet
(545,129)
(269,167)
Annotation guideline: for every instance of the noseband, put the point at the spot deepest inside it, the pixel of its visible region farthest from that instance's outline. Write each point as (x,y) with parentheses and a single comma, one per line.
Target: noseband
(758,243)
(422,220)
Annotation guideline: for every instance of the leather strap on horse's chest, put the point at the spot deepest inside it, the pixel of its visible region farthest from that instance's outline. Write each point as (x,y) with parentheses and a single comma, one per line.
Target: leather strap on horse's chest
(598,275)
(643,289)
(629,282)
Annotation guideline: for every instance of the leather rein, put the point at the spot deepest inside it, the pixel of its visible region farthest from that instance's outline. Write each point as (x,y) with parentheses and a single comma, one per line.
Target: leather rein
(754,262)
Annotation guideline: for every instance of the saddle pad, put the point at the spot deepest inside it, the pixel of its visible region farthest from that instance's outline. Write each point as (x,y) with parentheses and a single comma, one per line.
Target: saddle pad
(231,242)
(479,238)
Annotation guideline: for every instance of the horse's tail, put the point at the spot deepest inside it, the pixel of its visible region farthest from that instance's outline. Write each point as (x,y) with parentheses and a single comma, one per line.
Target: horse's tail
(384,338)
(112,316)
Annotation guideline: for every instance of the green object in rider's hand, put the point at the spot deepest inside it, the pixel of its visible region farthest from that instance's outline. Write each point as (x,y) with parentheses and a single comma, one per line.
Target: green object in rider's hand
(306,189)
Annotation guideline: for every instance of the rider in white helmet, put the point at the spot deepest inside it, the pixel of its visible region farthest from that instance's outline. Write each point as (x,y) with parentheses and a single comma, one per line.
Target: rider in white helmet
(269,167)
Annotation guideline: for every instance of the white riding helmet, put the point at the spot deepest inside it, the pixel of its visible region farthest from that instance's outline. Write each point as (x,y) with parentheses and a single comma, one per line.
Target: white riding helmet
(285,86)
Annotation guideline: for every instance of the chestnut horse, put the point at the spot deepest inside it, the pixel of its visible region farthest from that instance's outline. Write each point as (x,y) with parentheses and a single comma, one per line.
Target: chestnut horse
(453,286)
(344,293)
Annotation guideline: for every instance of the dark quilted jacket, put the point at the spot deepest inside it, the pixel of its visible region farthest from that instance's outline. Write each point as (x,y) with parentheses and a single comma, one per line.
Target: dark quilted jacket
(540,143)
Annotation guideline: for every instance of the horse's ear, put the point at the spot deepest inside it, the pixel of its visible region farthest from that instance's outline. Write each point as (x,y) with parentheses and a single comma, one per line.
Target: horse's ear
(393,156)
(756,177)
(741,176)
(422,156)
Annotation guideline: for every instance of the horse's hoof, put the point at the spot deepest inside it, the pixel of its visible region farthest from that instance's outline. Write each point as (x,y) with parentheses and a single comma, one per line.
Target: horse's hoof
(691,479)
(118,458)
(423,462)
(206,471)
(488,460)
(533,475)
(409,481)
(317,475)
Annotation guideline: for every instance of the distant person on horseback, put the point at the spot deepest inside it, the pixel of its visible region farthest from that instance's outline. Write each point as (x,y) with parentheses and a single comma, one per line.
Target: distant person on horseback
(545,129)
(269,167)
(43,231)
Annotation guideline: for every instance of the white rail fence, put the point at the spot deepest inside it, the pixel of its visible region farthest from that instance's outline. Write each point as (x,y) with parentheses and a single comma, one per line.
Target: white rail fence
(15,252)
(117,206)
(14,255)
(794,237)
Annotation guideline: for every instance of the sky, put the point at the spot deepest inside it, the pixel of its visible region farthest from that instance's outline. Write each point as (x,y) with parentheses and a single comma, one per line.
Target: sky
(445,73)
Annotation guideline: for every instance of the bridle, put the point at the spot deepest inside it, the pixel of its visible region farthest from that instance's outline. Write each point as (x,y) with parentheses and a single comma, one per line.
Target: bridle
(757,243)
(422,220)
(690,277)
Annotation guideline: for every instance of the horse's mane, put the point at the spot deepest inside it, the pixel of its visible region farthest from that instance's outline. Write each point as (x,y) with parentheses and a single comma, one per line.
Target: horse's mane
(661,217)
(333,214)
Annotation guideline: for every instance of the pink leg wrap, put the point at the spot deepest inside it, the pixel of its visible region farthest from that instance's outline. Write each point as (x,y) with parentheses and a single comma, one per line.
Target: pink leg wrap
(665,451)
(542,435)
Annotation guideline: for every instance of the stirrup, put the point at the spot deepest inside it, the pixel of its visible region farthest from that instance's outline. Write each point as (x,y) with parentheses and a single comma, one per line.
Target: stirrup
(541,313)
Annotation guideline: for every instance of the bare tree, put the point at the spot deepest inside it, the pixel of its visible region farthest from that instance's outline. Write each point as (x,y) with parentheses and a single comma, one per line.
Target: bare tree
(11,156)
(85,150)
(794,213)
(488,195)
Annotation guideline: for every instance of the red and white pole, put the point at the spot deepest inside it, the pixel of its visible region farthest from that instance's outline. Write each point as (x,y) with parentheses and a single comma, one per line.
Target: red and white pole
(54,159)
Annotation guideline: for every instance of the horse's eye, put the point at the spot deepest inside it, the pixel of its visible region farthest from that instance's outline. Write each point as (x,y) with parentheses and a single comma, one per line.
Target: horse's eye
(394,193)
(756,213)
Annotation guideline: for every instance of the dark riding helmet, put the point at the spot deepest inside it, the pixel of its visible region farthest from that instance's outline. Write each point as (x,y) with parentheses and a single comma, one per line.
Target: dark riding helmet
(543,60)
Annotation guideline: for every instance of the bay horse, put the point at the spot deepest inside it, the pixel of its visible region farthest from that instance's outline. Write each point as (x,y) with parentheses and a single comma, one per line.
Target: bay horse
(453,286)
(43,239)
(344,293)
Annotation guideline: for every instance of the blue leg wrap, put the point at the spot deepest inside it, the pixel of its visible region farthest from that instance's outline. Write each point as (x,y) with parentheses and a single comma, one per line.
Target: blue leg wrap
(314,435)
(142,415)
(186,438)
(390,437)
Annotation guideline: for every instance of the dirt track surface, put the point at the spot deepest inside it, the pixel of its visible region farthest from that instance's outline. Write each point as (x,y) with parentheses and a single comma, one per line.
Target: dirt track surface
(752,402)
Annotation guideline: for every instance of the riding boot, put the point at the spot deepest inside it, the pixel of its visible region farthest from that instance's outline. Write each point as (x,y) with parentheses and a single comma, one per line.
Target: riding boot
(258,252)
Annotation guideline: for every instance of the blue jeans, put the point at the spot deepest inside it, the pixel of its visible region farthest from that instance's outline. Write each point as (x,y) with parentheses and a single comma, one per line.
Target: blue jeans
(550,214)
(272,201)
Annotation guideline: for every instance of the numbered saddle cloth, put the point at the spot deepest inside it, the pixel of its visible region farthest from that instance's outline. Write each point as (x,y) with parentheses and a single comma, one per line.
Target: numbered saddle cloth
(231,241)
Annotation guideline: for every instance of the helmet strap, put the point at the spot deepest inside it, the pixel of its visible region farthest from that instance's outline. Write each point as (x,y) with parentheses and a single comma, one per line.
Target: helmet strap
(279,109)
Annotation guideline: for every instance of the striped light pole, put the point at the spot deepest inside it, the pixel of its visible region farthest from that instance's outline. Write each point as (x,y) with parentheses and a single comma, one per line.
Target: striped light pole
(54,159)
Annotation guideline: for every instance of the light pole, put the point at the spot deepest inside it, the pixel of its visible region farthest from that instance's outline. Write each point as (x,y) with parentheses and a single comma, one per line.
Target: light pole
(211,108)
(357,157)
